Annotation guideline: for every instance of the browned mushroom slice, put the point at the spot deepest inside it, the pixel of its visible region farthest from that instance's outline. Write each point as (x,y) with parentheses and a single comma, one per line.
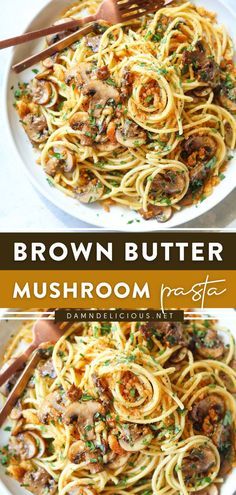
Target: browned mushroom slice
(79,74)
(131,135)
(170,182)
(40,442)
(51,167)
(63,160)
(100,94)
(227,98)
(212,406)
(36,127)
(53,38)
(52,408)
(24,445)
(205,68)
(102,387)
(41,91)
(204,145)
(89,453)
(210,346)
(91,192)
(79,122)
(83,414)
(39,482)
(76,452)
(135,437)
(160,213)
(198,462)
(171,333)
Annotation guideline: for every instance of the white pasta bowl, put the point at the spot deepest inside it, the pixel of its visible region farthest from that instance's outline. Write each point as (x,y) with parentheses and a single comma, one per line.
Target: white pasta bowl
(227,320)
(119,218)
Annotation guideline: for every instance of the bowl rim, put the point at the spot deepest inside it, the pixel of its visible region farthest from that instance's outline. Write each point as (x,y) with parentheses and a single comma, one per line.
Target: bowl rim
(97,222)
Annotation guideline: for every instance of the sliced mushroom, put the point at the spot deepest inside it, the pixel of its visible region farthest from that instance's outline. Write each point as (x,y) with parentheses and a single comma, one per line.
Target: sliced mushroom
(53,38)
(81,452)
(210,346)
(198,461)
(170,182)
(51,408)
(204,145)
(7,387)
(49,62)
(171,333)
(100,94)
(79,122)
(47,369)
(76,452)
(135,438)
(51,167)
(212,405)
(63,160)
(41,91)
(39,481)
(24,445)
(91,192)
(227,98)
(40,442)
(160,213)
(79,74)
(131,135)
(83,414)
(206,69)
(105,395)
(36,127)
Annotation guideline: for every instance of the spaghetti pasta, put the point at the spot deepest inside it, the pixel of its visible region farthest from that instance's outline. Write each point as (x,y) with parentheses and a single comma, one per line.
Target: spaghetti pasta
(118,408)
(141,116)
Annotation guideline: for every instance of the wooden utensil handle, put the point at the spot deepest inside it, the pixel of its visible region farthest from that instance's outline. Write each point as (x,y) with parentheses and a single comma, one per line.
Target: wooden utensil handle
(17,365)
(19,387)
(48,52)
(39,33)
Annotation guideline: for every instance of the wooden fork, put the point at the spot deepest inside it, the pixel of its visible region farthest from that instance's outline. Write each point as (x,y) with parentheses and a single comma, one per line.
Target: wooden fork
(111,11)
(21,384)
(44,331)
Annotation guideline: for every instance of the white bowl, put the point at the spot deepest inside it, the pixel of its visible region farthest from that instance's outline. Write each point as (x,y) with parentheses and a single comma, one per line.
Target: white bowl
(119,218)
(227,319)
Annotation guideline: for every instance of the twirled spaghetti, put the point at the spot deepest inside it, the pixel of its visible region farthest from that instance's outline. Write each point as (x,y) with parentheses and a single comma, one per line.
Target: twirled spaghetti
(119,408)
(141,115)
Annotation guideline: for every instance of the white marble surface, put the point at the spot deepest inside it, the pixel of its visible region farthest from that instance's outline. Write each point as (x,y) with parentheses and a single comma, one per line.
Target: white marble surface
(21,206)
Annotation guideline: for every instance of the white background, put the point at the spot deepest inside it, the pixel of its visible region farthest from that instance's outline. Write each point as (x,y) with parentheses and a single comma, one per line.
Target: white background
(21,206)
